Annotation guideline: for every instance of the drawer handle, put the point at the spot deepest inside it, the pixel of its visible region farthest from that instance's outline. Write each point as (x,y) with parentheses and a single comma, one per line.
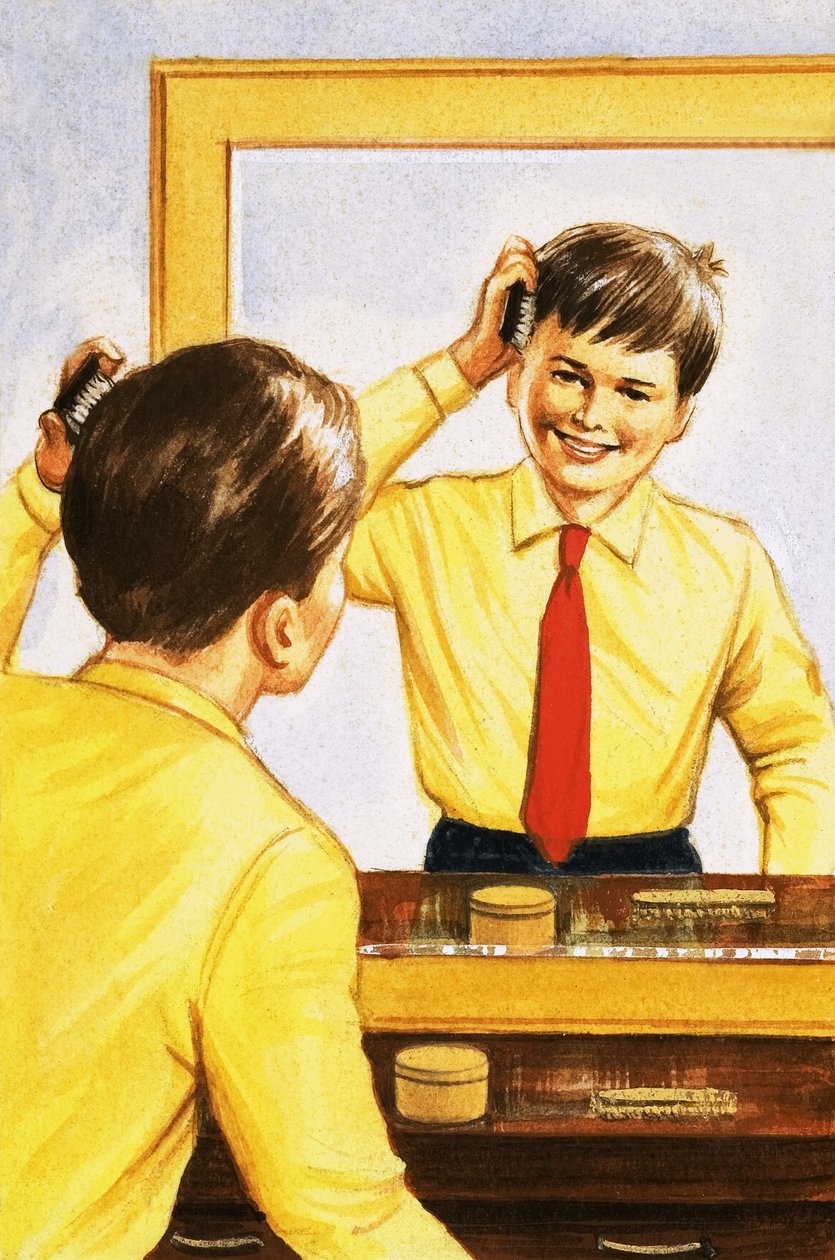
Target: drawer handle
(235,1245)
(662,1104)
(701,1248)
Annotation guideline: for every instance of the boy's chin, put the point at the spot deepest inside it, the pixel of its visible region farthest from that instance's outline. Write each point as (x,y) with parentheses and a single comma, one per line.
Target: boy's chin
(570,475)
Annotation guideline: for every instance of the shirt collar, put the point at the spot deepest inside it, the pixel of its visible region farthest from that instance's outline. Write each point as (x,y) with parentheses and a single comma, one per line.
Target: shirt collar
(533,514)
(160,689)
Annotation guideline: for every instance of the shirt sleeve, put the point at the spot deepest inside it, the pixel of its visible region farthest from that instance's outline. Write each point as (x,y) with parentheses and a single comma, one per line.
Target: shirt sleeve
(381,535)
(30,522)
(396,416)
(286,1072)
(775,706)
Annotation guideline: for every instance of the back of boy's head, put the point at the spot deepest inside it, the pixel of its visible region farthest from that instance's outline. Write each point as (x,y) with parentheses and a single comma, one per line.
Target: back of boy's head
(203,481)
(642,288)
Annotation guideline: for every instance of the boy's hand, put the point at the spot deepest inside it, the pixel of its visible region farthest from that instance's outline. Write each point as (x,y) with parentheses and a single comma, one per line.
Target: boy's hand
(52,450)
(480,353)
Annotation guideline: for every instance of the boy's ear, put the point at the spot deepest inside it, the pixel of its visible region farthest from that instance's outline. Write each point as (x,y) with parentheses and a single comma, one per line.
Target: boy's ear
(274,629)
(684,414)
(514,375)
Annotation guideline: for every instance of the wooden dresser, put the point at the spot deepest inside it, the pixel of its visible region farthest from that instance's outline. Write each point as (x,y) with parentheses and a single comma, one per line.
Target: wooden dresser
(662,1082)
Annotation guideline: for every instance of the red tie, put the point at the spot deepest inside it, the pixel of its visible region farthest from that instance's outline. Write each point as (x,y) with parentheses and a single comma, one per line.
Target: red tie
(559,788)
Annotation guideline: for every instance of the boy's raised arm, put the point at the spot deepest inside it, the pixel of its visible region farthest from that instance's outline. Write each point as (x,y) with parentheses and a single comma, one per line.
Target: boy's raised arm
(30,522)
(400,412)
(30,507)
(774,703)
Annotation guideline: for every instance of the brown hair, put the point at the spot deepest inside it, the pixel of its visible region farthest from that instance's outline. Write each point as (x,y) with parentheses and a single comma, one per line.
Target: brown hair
(201,482)
(643,288)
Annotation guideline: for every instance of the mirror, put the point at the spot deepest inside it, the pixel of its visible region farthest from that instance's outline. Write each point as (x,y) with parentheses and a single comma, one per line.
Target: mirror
(364,259)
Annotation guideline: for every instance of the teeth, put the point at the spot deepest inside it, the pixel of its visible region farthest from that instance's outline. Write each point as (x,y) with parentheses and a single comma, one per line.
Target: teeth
(585,448)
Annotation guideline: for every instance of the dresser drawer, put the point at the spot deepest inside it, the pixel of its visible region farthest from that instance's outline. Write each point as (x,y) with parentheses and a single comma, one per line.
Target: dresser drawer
(756,1239)
(533,1231)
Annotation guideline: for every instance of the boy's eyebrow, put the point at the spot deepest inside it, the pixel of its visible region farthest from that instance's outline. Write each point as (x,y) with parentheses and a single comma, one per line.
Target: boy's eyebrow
(583,367)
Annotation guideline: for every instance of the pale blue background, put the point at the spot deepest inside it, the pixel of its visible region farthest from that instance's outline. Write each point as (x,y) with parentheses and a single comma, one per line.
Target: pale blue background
(74,261)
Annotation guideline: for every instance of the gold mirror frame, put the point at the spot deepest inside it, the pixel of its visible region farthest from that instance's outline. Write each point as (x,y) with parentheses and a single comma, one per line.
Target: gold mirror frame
(202,111)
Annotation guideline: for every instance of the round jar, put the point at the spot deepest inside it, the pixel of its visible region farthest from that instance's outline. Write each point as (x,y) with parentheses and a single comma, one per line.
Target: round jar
(519,916)
(440,1083)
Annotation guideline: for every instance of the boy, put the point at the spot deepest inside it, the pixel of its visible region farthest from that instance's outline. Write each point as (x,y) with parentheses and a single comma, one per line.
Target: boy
(169,912)
(569,630)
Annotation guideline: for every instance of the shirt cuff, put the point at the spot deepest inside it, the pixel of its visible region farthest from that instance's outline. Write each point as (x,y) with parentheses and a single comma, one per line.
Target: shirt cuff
(44,506)
(445,381)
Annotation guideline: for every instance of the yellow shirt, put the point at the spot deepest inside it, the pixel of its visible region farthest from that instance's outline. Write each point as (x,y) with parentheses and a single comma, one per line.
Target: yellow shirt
(687,623)
(167,908)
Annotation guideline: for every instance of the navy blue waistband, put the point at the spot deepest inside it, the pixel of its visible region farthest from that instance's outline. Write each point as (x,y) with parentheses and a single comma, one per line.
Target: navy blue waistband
(460,846)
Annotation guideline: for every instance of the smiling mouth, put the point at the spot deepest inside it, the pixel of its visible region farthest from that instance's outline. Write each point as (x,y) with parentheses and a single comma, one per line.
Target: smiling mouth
(586,452)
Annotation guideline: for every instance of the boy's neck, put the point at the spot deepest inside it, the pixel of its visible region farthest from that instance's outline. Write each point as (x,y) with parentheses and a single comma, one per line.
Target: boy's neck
(585,509)
(225,672)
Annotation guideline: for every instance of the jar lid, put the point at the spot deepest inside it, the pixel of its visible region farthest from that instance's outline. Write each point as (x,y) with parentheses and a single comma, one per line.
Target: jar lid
(512,900)
(445,1063)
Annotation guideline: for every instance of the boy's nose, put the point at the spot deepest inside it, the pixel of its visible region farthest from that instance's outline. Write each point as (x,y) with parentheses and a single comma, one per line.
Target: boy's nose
(592,412)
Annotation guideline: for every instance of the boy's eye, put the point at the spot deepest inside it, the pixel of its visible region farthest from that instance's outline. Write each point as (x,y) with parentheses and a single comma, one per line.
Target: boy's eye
(570,378)
(636,395)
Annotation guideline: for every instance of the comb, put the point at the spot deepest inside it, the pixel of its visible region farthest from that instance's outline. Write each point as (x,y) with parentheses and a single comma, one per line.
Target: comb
(79,396)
